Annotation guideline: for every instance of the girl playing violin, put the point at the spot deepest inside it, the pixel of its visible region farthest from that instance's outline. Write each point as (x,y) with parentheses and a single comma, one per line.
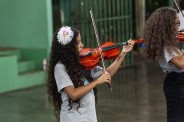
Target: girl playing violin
(160,32)
(71,90)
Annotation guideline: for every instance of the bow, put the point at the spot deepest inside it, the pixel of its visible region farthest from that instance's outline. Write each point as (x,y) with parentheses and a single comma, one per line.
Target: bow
(98,42)
(179,9)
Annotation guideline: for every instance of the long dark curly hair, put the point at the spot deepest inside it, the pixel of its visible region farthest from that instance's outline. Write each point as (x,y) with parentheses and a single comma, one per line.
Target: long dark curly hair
(159,32)
(68,55)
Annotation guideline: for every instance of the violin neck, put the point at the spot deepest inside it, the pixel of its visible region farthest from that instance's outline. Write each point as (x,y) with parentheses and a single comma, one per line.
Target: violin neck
(114,46)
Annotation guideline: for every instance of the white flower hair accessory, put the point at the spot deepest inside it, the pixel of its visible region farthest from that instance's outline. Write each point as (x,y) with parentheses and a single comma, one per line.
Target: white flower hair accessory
(65,35)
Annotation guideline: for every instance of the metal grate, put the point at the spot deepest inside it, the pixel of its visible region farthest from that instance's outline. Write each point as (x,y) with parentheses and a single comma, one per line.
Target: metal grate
(113,20)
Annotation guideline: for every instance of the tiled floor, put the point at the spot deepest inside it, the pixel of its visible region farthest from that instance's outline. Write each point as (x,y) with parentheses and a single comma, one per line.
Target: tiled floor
(137,96)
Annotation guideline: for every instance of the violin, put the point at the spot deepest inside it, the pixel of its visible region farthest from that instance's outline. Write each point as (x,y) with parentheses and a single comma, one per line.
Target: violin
(180,36)
(90,58)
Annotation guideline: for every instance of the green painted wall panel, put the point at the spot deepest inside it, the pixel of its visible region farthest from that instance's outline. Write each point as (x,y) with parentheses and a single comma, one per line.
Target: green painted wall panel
(10,79)
(36,55)
(10,52)
(8,72)
(25,23)
(24,66)
(29,80)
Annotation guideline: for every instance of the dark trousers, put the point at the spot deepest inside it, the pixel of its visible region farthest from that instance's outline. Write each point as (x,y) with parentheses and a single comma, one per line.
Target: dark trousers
(174,93)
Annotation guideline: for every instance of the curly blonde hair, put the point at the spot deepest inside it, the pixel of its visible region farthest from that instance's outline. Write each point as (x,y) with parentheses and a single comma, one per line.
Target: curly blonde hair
(159,32)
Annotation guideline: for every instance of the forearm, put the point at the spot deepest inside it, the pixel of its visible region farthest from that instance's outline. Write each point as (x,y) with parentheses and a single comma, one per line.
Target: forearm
(178,61)
(112,69)
(76,93)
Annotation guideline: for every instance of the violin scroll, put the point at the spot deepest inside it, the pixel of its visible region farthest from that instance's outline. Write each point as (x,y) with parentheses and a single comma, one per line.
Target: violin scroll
(140,42)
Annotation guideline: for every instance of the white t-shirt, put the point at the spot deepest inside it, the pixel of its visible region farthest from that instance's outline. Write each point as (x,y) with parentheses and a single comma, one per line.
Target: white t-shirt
(87,111)
(165,63)
(181,18)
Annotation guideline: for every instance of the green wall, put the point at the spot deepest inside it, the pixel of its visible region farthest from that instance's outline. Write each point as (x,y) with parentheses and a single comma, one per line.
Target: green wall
(25,40)
(12,78)
(25,23)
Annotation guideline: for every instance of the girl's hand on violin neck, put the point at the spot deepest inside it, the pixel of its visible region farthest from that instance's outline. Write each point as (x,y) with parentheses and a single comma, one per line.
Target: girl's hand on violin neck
(104,78)
(129,47)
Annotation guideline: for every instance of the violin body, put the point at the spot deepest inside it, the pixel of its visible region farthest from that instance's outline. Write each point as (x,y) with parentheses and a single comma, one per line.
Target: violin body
(112,53)
(90,58)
